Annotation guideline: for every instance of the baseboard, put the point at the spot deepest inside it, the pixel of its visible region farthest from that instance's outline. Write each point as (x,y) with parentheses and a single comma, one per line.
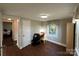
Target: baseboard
(57,43)
(21,47)
(18,46)
(25,46)
(77,52)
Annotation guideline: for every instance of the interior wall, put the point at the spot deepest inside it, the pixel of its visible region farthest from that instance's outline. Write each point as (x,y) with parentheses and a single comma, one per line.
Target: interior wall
(60,36)
(26,32)
(15,29)
(77,38)
(17,35)
(19,38)
(44,26)
(35,27)
(26,29)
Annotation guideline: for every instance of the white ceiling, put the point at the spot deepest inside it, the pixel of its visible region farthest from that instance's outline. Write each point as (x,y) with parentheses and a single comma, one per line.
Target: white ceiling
(33,11)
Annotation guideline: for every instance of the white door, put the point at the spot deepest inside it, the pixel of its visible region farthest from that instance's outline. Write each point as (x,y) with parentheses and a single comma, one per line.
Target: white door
(26,33)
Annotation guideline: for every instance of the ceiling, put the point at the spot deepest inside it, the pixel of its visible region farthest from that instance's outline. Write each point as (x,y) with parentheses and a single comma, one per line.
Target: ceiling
(34,10)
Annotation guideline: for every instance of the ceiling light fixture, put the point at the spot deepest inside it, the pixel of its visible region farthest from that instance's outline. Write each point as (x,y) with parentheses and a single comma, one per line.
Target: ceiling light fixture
(44,16)
(9,19)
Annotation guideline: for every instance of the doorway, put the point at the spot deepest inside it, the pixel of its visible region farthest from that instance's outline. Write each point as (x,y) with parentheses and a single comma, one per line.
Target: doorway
(10,37)
(7,34)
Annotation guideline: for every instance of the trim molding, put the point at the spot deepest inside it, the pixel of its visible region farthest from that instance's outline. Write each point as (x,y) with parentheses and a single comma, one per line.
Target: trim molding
(57,43)
(18,46)
(25,46)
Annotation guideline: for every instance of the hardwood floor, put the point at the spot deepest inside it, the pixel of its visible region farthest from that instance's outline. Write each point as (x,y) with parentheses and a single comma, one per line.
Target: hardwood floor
(7,41)
(47,49)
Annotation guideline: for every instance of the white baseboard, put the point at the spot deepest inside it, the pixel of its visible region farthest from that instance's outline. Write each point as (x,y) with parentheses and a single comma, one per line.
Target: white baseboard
(21,47)
(18,46)
(57,43)
(76,50)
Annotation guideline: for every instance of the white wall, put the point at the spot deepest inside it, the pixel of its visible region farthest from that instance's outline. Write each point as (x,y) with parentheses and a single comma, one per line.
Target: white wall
(26,32)
(19,43)
(60,37)
(15,29)
(23,30)
(35,27)
(77,38)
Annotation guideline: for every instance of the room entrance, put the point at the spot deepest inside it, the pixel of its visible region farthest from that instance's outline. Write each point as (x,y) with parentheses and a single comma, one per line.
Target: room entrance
(7,34)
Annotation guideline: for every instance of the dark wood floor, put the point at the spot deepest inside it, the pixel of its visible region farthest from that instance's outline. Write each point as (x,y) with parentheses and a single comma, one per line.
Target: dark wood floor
(0,52)
(47,49)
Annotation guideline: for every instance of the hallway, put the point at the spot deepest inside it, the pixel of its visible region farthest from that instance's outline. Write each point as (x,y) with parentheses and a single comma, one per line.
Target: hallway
(55,21)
